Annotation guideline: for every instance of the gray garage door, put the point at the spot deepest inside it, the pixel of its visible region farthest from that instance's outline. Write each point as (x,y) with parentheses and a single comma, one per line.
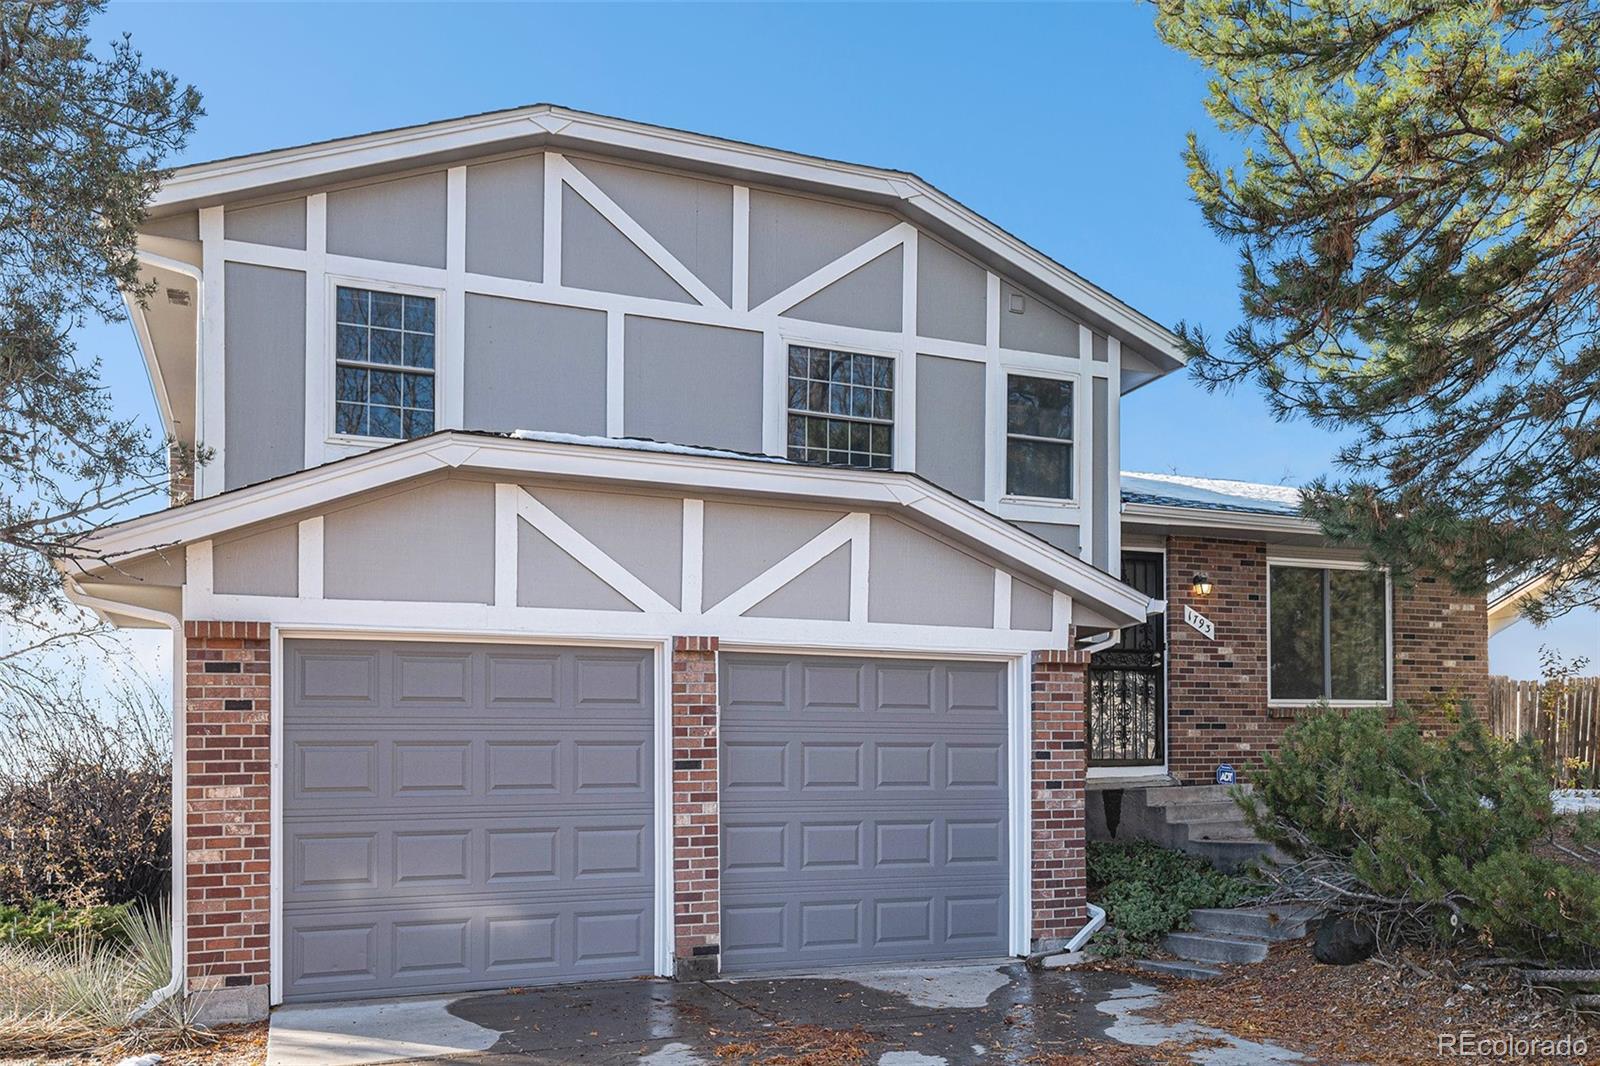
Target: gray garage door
(863,811)
(464,816)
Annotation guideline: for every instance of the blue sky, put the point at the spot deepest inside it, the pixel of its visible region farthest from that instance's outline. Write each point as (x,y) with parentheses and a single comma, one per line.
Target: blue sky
(1062,123)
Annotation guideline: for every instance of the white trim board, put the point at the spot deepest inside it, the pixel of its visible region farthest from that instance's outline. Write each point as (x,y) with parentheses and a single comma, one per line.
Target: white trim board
(856,489)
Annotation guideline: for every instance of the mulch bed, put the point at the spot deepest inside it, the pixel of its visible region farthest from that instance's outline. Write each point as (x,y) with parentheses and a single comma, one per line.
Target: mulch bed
(1381,1011)
(227,1045)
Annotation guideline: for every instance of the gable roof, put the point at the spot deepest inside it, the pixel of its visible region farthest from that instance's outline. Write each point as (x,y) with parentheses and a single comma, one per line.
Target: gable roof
(367,156)
(638,463)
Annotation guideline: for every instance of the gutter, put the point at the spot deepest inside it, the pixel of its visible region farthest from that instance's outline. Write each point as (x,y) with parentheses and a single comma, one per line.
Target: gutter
(178,915)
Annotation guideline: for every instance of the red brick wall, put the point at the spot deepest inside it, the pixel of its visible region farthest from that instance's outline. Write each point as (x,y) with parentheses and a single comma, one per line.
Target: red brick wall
(226,725)
(1059,880)
(1217,690)
(696,827)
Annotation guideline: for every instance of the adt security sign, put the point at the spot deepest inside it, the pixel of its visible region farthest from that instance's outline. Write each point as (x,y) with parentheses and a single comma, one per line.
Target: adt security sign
(1200,623)
(1225,775)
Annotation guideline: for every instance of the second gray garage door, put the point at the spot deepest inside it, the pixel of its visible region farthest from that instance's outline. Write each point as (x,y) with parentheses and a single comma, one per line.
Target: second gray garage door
(863,811)
(462,816)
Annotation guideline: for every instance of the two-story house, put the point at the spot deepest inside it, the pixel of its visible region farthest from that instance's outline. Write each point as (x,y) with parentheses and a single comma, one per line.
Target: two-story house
(622,551)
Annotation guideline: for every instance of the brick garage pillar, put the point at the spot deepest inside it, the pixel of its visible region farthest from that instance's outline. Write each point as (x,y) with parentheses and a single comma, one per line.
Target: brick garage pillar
(1059,879)
(696,827)
(227,805)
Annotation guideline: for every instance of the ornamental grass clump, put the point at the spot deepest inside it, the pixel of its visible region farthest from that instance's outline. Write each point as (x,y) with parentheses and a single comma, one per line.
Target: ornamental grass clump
(1440,838)
(82,995)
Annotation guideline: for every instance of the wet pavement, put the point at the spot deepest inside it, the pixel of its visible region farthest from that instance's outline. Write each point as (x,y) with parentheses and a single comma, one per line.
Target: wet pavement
(980,1013)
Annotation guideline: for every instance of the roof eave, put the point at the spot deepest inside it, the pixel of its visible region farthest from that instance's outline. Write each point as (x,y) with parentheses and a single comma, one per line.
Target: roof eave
(457,449)
(1215,518)
(290,169)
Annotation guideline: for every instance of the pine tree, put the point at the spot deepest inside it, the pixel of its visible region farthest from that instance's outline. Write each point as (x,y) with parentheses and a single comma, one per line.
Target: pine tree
(82,139)
(1417,217)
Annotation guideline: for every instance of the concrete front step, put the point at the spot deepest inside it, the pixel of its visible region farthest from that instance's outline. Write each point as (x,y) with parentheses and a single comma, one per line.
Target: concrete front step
(1219,829)
(1193,971)
(1211,947)
(1204,810)
(1186,794)
(1261,923)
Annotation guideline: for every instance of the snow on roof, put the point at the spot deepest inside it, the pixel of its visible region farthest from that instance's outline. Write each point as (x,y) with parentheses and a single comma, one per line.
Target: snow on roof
(640,444)
(1209,493)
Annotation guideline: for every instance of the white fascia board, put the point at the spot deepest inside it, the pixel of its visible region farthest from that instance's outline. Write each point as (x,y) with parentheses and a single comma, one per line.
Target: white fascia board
(321,486)
(1152,514)
(211,183)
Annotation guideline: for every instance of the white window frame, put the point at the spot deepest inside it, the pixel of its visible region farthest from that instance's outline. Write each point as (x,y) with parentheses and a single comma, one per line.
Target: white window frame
(1388,630)
(330,361)
(896,359)
(1010,369)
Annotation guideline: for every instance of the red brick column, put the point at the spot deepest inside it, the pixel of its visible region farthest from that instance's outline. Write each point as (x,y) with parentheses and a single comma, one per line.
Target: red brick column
(696,827)
(227,734)
(1059,879)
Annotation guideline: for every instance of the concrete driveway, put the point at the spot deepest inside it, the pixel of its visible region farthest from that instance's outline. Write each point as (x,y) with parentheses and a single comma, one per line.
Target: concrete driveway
(980,1013)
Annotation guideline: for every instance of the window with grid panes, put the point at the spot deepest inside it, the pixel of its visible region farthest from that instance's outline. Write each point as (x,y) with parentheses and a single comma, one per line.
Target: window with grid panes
(383,363)
(841,408)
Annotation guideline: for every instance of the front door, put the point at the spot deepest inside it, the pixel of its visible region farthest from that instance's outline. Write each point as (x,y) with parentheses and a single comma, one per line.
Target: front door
(1127,685)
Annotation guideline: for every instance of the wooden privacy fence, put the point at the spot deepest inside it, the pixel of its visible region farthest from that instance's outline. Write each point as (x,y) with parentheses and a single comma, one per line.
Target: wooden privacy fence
(1563,716)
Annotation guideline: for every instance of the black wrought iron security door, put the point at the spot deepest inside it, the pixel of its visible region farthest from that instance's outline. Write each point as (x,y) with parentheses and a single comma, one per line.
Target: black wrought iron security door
(1127,685)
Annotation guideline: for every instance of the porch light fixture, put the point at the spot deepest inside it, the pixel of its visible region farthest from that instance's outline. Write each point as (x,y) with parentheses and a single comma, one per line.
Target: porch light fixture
(1202,585)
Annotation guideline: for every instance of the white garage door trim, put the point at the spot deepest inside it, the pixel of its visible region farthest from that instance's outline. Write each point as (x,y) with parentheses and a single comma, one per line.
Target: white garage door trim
(1019,751)
(1019,739)
(662,736)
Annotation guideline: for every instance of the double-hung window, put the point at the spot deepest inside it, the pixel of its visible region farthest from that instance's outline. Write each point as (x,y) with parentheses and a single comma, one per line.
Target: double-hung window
(383,363)
(841,408)
(1329,634)
(1038,437)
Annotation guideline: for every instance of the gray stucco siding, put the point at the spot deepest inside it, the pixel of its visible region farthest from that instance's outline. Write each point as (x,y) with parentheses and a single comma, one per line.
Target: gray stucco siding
(181,227)
(950,423)
(445,555)
(548,577)
(691,217)
(534,366)
(920,580)
(264,375)
(692,384)
(401,221)
(595,255)
(505,218)
(869,297)
(1065,537)
(743,540)
(257,562)
(282,224)
(1030,606)
(820,592)
(643,533)
(952,294)
(1038,327)
(793,236)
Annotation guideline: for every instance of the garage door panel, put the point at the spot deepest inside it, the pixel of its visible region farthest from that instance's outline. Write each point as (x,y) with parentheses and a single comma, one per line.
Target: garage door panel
(462,816)
(828,926)
(432,947)
(864,807)
(778,848)
(336,768)
(395,855)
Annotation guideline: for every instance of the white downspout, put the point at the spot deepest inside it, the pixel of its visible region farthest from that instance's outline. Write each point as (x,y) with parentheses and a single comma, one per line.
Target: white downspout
(178,913)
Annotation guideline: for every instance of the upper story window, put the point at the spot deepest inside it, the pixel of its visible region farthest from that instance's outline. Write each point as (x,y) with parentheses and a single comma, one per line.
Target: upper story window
(1328,634)
(1038,437)
(841,408)
(383,363)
